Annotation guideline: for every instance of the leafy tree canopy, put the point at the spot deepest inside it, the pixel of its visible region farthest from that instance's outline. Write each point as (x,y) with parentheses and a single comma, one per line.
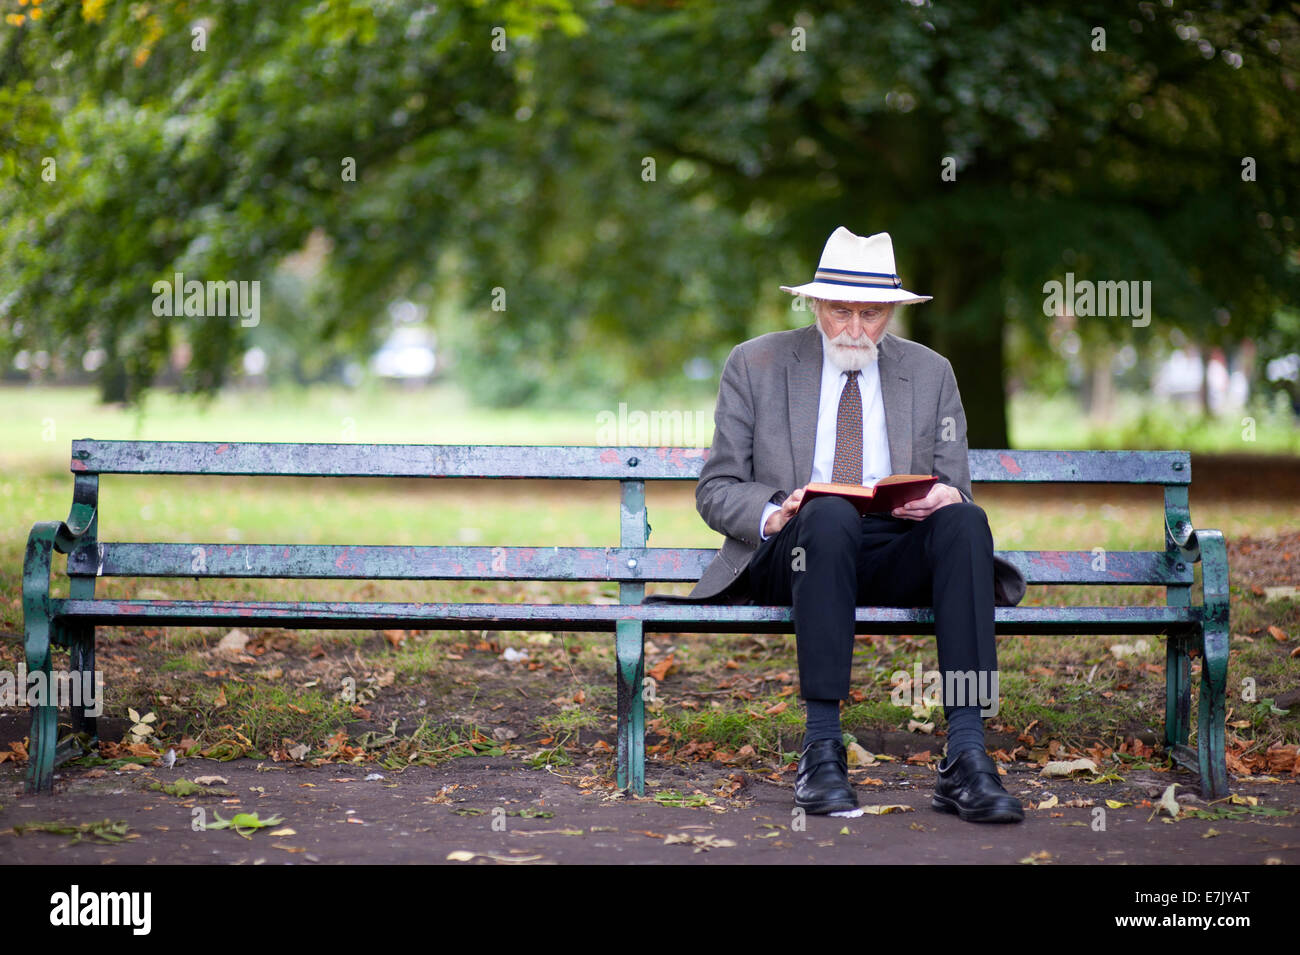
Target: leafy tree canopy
(632,181)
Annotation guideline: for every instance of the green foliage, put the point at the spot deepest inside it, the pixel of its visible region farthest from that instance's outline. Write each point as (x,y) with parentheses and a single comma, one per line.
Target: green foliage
(525,170)
(217,163)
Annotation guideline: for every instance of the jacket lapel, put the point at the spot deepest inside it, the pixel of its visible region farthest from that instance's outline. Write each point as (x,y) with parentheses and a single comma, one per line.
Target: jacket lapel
(804,390)
(896,393)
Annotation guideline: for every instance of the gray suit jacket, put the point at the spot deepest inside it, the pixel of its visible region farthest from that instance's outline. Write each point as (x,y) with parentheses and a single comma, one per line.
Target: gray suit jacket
(765,425)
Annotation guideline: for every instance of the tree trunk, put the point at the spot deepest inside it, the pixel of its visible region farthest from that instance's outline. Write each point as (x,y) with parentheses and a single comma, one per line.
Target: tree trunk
(1100,399)
(965,324)
(112,375)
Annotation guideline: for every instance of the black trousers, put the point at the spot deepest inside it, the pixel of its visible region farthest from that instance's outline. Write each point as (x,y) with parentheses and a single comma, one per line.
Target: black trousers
(828,559)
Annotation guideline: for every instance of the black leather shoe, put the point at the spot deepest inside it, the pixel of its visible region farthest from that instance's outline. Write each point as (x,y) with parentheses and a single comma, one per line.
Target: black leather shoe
(822,784)
(969,786)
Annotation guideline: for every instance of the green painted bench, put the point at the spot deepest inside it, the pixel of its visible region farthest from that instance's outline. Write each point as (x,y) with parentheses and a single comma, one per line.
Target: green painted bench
(71,622)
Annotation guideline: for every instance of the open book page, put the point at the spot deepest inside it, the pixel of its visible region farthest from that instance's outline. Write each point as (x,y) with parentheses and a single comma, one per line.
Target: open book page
(880,496)
(896,479)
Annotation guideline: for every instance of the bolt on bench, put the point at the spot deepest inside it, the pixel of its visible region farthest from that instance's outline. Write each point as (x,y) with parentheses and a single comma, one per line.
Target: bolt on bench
(71,622)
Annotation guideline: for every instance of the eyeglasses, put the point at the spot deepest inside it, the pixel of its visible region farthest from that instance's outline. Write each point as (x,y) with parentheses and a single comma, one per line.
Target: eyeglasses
(842,313)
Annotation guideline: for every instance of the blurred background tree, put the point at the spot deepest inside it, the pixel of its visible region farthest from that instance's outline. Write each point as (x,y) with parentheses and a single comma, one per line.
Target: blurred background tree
(628,183)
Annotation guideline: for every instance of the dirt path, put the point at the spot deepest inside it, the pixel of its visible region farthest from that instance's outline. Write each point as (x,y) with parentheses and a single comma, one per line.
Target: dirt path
(500,811)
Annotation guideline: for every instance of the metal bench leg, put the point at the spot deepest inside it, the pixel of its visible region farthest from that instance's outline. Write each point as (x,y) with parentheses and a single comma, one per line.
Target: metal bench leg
(630,656)
(41,630)
(1211,744)
(1178,692)
(45,719)
(1212,712)
(81,643)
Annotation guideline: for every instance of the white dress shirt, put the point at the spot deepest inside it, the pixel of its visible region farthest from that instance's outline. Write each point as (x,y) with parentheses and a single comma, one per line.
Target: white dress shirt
(875,440)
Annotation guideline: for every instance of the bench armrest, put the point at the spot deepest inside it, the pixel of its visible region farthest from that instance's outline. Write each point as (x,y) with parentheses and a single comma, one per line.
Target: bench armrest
(1212,551)
(45,538)
(1203,546)
(1183,536)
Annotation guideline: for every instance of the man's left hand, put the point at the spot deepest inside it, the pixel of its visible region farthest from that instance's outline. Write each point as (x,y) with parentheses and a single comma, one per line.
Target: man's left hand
(940,495)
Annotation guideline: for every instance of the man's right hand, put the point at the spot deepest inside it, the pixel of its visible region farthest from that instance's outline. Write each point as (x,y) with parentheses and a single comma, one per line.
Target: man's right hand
(789,507)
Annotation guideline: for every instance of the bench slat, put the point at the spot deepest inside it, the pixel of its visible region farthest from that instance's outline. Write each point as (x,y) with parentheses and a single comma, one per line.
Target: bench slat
(564,462)
(1081,467)
(601,617)
(385,460)
(656,564)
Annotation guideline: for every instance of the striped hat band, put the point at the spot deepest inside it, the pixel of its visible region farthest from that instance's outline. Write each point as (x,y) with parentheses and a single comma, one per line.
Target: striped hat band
(858,279)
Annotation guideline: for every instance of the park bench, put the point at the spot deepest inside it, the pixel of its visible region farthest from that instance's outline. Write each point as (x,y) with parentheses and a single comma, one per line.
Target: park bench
(71,622)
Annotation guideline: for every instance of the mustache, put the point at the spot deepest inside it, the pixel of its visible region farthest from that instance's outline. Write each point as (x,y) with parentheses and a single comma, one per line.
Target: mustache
(843,340)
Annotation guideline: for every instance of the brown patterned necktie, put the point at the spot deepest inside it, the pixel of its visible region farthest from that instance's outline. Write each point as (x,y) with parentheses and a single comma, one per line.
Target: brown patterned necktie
(847,468)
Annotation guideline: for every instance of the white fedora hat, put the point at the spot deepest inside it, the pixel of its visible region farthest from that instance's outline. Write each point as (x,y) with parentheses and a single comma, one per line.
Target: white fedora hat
(857,268)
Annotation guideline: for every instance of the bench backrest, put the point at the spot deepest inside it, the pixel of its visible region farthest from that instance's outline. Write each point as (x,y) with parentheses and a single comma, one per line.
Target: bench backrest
(632,564)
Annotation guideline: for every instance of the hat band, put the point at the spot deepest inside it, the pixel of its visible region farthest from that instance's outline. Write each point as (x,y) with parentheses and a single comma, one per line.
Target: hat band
(857,279)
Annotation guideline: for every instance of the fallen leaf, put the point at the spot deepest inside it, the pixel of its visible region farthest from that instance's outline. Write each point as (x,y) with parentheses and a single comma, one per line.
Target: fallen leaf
(1062,768)
(701,843)
(663,668)
(232,644)
(463,855)
(858,756)
(1168,802)
(244,823)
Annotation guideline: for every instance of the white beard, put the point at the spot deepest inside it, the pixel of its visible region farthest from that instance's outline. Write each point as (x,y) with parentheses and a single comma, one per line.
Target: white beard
(843,353)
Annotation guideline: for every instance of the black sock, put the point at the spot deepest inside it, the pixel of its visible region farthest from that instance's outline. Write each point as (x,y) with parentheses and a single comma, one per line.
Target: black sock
(965,730)
(823,721)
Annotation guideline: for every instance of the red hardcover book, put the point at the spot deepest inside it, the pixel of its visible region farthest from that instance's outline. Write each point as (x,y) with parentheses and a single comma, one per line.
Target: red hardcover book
(881,497)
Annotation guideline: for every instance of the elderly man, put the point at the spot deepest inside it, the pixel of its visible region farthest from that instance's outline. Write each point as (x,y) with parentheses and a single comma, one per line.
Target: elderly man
(843,400)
